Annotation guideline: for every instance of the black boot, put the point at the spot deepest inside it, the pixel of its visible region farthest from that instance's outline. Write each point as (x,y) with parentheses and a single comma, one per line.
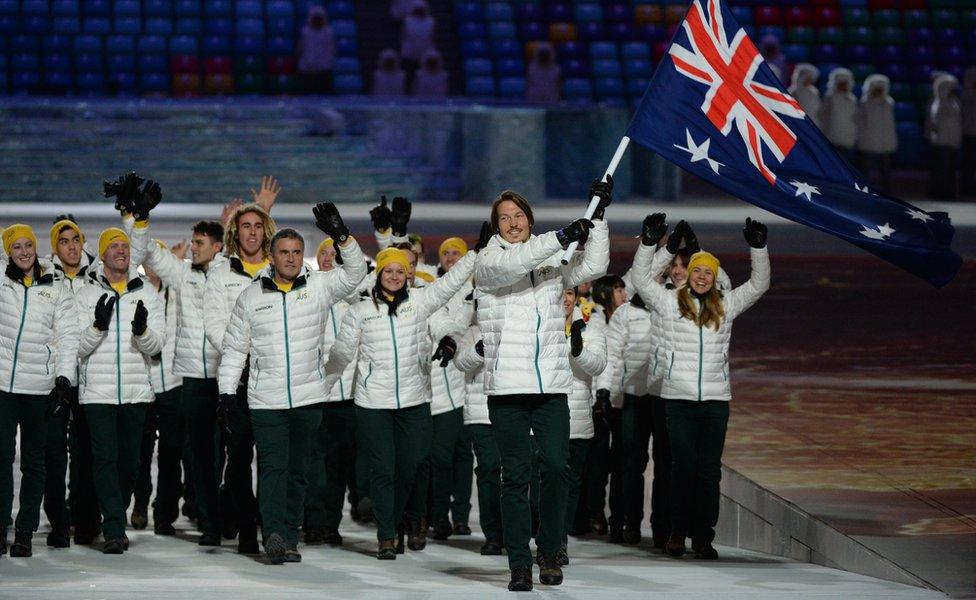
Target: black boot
(189,509)
(160,528)
(314,536)
(417,534)
(462,529)
(248,544)
(442,529)
(550,573)
(598,524)
(3,541)
(125,542)
(675,546)
(275,548)
(562,557)
(704,551)
(113,546)
(521,580)
(401,534)
(632,537)
(292,555)
(386,550)
(59,537)
(492,548)
(21,548)
(616,536)
(365,510)
(209,538)
(84,538)
(331,536)
(140,516)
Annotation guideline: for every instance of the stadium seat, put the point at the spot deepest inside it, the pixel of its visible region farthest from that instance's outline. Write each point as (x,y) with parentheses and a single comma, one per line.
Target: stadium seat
(221,26)
(920,36)
(511,87)
(559,12)
(186,84)
(590,31)
(606,68)
(340,9)
(609,88)
(575,68)
(801,35)
(127,25)
(94,25)
(648,14)
(562,32)
(283,8)
(501,29)
(638,68)
(56,44)
(152,8)
(474,48)
(120,44)
(571,51)
(349,84)
(915,18)
(218,8)
(64,7)
(796,52)
(90,83)
(121,63)
(477,67)
(192,26)
(473,29)
(281,26)
(183,44)
(510,67)
(346,46)
(215,45)
(89,63)
(480,86)
(507,48)
(830,35)
(281,46)
(56,62)
(675,14)
(87,44)
(248,63)
(473,11)
(217,64)
(96,8)
(344,28)
(890,35)
(858,54)
(577,89)
(588,12)
(154,82)
(632,50)
(184,63)
(526,11)
(158,26)
(248,9)
(281,65)
(25,44)
(767,15)
(603,50)
(249,27)
(498,11)
(56,81)
(347,64)
(153,63)
(618,13)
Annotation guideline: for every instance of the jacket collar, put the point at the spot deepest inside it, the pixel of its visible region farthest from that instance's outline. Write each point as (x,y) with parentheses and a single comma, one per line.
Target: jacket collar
(266,277)
(85,264)
(97,276)
(40,275)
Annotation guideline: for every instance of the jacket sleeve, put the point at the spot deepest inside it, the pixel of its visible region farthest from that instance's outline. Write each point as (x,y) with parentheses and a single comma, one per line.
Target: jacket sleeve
(723,281)
(67,334)
(498,267)
(593,261)
(646,263)
(164,263)
(593,358)
(344,348)
(441,291)
(618,334)
(452,319)
(215,314)
(236,347)
(744,296)
(151,342)
(138,242)
(90,337)
(343,281)
(467,358)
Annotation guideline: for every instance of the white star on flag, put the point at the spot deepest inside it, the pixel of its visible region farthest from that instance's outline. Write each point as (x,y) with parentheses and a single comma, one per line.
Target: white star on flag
(921,215)
(805,189)
(861,189)
(699,152)
(881,233)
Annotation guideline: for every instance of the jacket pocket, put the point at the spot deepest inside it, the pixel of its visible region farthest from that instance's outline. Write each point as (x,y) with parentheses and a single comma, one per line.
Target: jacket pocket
(369,373)
(671,364)
(257,370)
(47,364)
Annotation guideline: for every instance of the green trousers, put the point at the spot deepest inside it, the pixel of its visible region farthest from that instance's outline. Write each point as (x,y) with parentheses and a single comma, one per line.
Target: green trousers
(284,439)
(399,439)
(578,450)
(165,422)
(697,435)
(27,413)
(55,469)
(116,434)
(200,410)
(636,422)
(333,467)
(512,418)
(82,499)
(451,464)
(488,472)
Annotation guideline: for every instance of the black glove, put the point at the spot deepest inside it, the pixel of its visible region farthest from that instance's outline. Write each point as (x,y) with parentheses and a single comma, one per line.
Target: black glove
(484,236)
(401,216)
(446,349)
(65,217)
(691,240)
(381,215)
(125,189)
(653,229)
(577,231)
(328,220)
(60,397)
(755,234)
(103,312)
(140,319)
(603,189)
(674,240)
(480,348)
(576,337)
(226,405)
(602,407)
(146,200)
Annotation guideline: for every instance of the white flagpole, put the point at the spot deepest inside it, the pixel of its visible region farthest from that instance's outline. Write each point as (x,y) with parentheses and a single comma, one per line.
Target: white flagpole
(595,200)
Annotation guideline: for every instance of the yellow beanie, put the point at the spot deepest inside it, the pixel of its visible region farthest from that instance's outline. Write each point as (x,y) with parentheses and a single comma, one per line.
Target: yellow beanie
(326,242)
(703,259)
(455,243)
(56,231)
(112,234)
(390,256)
(15,232)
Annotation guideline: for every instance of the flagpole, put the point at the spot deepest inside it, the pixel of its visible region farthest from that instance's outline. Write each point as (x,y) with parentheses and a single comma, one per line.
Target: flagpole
(595,200)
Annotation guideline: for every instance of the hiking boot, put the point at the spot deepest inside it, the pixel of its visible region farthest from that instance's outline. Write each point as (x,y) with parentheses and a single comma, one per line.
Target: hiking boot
(59,537)
(164,529)
(209,538)
(491,548)
(331,536)
(140,517)
(113,546)
(292,555)
(442,529)
(704,551)
(462,529)
(521,580)
(598,524)
(275,548)
(314,537)
(550,573)
(417,535)
(562,557)
(675,546)
(21,548)
(386,550)
(632,537)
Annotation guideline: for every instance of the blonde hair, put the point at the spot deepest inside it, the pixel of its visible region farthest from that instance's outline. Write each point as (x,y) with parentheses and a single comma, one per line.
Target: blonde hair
(230,231)
(712,312)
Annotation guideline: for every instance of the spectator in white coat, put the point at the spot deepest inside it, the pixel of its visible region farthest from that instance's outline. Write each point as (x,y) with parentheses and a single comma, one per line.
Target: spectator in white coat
(316,53)
(877,139)
(804,89)
(944,129)
(837,112)
(543,78)
(431,78)
(389,80)
(416,38)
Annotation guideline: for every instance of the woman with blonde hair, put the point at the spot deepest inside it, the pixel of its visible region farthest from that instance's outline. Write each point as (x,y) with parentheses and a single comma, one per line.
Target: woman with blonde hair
(696,323)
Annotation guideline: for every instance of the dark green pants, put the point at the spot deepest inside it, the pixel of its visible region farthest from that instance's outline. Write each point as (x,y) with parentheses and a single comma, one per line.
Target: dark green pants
(333,467)
(605,461)
(165,416)
(238,475)
(363,474)
(661,484)
(284,439)
(636,422)
(512,418)
(488,471)
(697,432)
(399,439)
(578,450)
(82,499)
(200,410)
(451,462)
(27,413)
(116,433)
(55,469)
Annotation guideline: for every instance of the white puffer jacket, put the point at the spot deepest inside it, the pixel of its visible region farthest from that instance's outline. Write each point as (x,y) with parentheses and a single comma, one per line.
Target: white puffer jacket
(876,118)
(393,363)
(115,363)
(472,365)
(161,366)
(88,263)
(697,361)
(282,333)
(589,364)
(629,348)
(838,110)
(447,383)
(225,283)
(520,310)
(38,333)
(196,356)
(345,387)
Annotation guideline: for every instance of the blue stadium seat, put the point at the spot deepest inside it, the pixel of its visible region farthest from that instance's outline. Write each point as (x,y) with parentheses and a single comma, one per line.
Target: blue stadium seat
(64,7)
(635,50)
(121,63)
(158,26)
(469,11)
(507,48)
(9,7)
(476,67)
(637,87)
(126,8)
(120,44)
(249,9)
(97,25)
(189,26)
(284,26)
(348,84)
(127,25)
(216,45)
(57,62)
(22,81)
(154,82)
(87,44)
(572,51)
(153,63)
(187,8)
(533,30)
(480,86)
(501,29)
(589,12)
(56,44)
(498,11)
(281,46)
(280,8)
(528,11)
(600,50)
(25,44)
(606,67)
(472,29)
(219,26)
(58,80)
(35,24)
(96,8)
(591,31)
(152,44)
(253,27)
(577,89)
(742,14)
(249,44)
(344,28)
(89,63)
(157,8)
(796,52)
(122,83)
(905,111)
(183,44)
(34,7)
(575,69)
(474,48)
(66,25)
(609,88)
(560,12)
(346,46)
(91,83)
(218,8)
(511,87)
(341,9)
(347,64)
(510,67)
(638,68)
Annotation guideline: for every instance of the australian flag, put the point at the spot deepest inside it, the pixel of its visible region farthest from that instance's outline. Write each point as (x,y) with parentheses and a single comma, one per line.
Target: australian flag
(716,109)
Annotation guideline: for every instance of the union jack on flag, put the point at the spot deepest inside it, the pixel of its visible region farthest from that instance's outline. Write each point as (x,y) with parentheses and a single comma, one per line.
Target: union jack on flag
(716,109)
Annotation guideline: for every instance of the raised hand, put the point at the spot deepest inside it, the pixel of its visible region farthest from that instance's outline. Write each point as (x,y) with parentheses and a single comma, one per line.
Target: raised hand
(576,337)
(58,401)
(328,220)
(125,189)
(604,191)
(691,240)
(674,240)
(103,312)
(484,236)
(140,320)
(577,231)
(446,349)
(653,229)
(755,234)
(179,249)
(229,209)
(268,194)
(146,200)
(401,216)
(381,216)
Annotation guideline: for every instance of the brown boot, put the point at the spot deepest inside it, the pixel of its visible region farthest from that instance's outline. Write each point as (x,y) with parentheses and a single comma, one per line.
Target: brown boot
(675,546)
(417,534)
(386,550)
